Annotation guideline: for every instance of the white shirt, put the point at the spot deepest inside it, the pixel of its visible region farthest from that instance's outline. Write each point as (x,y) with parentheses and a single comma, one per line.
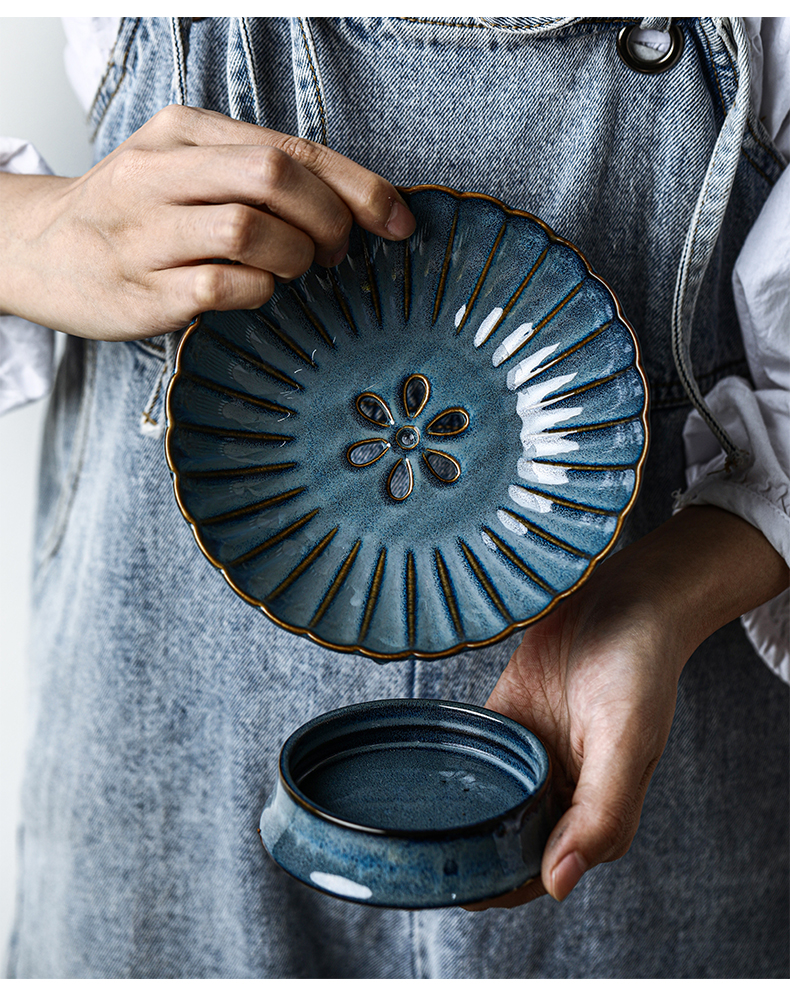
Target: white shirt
(756,416)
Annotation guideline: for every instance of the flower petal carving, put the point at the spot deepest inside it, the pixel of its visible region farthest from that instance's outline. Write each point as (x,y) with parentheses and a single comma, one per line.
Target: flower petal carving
(416,392)
(374,409)
(443,466)
(365,452)
(400,481)
(450,422)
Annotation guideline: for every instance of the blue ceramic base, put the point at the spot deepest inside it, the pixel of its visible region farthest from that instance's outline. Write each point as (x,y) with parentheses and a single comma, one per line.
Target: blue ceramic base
(411,803)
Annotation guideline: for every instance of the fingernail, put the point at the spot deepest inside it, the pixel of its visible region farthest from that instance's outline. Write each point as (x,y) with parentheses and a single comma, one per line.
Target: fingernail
(567,874)
(400,222)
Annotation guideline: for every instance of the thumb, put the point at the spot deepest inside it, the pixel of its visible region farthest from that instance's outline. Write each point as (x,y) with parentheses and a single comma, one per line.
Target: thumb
(604,815)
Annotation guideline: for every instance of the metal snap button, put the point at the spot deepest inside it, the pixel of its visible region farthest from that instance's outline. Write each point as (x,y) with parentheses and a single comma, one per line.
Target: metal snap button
(646,60)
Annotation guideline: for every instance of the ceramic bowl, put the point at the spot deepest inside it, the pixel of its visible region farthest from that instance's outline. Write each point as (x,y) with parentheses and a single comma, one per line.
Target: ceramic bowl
(411,803)
(420,450)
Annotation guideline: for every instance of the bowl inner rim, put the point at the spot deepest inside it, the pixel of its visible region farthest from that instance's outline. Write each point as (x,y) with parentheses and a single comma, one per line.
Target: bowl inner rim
(344,729)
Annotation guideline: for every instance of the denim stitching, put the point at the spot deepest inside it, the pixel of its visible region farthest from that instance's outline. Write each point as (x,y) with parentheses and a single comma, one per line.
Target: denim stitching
(445,24)
(756,138)
(120,80)
(764,145)
(146,419)
(715,71)
(110,64)
(177,35)
(68,492)
(748,123)
(315,81)
(249,53)
(756,167)
(686,373)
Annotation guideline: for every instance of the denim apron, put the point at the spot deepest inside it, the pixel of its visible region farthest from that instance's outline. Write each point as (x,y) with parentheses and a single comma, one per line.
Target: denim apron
(161,699)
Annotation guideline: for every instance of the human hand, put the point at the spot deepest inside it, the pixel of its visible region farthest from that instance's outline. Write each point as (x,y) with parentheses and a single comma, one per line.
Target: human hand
(129,250)
(597,678)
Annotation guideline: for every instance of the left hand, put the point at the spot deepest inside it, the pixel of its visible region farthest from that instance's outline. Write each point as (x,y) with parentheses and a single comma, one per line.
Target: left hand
(597,678)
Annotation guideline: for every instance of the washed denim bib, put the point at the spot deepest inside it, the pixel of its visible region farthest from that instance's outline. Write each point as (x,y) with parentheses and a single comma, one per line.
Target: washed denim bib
(161,699)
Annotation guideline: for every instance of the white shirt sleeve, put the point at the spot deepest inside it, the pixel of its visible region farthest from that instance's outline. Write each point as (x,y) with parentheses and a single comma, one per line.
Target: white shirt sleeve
(757,415)
(27,351)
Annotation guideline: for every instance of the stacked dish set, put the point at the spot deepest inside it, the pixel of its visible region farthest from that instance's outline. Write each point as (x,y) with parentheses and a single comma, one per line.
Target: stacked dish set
(419,451)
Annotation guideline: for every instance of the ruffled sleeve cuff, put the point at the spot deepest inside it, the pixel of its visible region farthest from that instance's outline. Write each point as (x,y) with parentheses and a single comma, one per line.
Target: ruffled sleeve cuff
(27,351)
(758,490)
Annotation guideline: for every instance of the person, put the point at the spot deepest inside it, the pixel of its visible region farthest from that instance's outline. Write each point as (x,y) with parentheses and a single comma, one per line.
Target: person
(232,153)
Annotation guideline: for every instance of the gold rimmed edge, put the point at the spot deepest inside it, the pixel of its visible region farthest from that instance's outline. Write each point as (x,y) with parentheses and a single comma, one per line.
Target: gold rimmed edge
(515,626)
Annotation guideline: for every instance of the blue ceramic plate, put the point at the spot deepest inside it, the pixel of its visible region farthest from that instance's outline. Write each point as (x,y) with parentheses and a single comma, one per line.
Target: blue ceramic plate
(411,803)
(422,449)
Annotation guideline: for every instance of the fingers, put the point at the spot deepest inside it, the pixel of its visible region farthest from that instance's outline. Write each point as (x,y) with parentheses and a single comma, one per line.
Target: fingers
(257,177)
(234,232)
(185,292)
(603,818)
(373,202)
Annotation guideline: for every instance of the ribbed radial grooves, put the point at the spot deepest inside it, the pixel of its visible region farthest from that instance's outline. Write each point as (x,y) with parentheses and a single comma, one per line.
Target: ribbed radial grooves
(236,434)
(449,593)
(574,348)
(286,340)
(448,254)
(577,466)
(411,598)
(485,582)
(336,583)
(567,502)
(406,281)
(250,399)
(521,287)
(270,542)
(608,424)
(304,565)
(260,469)
(248,357)
(482,277)
(519,563)
(311,317)
(589,386)
(545,535)
(373,594)
(342,302)
(256,507)
(373,284)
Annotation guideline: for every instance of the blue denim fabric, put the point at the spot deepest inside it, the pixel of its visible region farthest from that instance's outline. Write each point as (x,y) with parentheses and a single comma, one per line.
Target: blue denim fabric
(162,699)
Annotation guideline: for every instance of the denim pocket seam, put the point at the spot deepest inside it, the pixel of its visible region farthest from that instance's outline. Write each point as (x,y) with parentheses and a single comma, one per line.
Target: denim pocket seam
(121,77)
(316,82)
(68,492)
(110,64)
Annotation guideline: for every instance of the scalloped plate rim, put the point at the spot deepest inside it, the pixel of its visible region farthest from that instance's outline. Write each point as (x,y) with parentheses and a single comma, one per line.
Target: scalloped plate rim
(515,626)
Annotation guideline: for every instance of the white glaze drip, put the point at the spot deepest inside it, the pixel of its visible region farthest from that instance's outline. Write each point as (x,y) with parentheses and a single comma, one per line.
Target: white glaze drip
(546,474)
(528,500)
(487,325)
(522,371)
(511,345)
(341,885)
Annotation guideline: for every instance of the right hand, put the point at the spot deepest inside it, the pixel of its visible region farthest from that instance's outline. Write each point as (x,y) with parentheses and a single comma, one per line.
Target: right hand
(128,250)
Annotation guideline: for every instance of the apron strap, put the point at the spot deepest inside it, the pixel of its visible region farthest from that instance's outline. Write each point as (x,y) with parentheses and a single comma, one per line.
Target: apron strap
(703,231)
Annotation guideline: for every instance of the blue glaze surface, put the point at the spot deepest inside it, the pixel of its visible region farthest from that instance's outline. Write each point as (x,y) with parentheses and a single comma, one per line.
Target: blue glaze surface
(422,449)
(411,803)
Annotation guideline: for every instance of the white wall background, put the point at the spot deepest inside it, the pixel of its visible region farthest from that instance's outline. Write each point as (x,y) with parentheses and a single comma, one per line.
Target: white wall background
(36,103)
